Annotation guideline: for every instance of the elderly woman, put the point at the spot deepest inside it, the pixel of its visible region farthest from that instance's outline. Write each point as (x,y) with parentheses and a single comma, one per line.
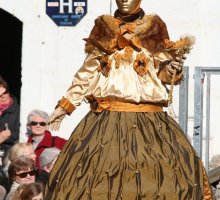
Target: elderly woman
(127,147)
(21,171)
(9,118)
(39,136)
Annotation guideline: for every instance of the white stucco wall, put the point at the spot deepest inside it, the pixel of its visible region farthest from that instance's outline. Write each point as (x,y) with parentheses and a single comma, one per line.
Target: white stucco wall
(51,54)
(50,57)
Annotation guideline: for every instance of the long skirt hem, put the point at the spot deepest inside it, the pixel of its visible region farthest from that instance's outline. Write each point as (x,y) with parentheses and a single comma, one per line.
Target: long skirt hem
(128,156)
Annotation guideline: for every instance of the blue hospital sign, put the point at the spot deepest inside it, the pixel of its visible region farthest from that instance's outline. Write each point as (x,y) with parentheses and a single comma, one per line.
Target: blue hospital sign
(66,12)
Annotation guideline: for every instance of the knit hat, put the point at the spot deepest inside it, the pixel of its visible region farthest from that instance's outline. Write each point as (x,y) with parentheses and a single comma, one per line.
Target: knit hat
(48,156)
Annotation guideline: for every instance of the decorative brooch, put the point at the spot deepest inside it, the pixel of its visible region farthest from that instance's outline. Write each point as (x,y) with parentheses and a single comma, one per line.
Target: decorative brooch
(105,64)
(126,56)
(141,64)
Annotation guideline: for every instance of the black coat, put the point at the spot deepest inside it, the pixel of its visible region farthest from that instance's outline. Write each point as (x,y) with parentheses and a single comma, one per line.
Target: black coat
(42,177)
(11,116)
(4,181)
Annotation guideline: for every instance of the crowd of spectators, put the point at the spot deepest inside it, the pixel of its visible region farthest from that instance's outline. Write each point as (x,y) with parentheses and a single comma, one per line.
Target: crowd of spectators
(24,166)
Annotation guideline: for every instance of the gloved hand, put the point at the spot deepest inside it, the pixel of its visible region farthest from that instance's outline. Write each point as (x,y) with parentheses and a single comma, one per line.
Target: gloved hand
(176,64)
(56,118)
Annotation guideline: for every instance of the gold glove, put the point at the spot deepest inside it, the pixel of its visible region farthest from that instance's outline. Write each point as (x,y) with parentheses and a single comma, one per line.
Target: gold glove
(167,70)
(56,118)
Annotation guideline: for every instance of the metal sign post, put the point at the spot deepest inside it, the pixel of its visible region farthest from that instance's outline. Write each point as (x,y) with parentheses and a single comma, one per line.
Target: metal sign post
(199,77)
(183,101)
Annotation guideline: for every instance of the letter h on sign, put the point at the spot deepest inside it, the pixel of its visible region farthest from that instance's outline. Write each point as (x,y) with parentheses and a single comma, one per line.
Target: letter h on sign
(69,4)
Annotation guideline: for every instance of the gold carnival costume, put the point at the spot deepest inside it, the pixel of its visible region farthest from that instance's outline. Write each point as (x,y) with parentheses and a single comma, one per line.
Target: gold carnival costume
(126,147)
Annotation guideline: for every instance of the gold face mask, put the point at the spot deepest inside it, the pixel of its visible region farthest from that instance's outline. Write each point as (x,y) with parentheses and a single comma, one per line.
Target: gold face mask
(128,6)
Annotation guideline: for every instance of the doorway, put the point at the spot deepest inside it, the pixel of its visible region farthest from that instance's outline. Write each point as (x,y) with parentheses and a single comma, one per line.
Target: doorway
(11,51)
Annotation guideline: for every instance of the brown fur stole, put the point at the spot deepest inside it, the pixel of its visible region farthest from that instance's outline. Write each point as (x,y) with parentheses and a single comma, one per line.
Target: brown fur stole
(150,32)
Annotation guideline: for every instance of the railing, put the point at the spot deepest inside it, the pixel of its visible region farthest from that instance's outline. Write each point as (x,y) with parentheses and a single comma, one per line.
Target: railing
(199,76)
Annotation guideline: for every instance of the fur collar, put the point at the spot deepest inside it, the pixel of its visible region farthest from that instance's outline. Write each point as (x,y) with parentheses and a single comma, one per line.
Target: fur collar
(148,32)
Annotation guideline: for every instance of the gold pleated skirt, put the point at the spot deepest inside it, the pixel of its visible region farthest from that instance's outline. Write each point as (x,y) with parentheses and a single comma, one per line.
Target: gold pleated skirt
(128,156)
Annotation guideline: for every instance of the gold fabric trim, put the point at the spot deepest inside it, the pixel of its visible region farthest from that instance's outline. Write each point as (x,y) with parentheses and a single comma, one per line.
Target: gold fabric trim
(99,106)
(208,195)
(66,105)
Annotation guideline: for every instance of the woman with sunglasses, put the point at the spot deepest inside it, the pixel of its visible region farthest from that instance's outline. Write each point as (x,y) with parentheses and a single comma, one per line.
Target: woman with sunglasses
(9,118)
(39,135)
(21,171)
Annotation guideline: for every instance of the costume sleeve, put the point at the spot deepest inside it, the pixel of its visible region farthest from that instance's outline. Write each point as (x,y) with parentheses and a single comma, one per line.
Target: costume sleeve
(162,55)
(80,84)
(161,63)
(172,50)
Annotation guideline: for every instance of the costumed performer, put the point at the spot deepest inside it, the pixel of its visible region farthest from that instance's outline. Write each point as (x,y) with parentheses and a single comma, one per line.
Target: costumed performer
(127,147)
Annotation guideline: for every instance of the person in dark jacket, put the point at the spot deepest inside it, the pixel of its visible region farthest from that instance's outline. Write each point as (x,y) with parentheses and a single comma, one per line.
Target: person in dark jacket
(47,160)
(39,136)
(9,118)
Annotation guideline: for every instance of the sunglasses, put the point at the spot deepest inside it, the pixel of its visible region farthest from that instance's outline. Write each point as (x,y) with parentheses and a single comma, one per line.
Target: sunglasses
(5,92)
(38,123)
(24,174)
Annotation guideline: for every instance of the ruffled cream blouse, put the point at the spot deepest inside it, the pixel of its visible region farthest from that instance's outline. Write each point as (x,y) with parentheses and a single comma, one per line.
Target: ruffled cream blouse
(122,82)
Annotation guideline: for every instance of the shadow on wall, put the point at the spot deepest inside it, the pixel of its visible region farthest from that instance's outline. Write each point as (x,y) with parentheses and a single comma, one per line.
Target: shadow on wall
(10,51)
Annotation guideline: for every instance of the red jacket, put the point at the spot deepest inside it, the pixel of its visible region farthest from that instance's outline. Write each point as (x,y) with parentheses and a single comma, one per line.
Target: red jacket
(47,142)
